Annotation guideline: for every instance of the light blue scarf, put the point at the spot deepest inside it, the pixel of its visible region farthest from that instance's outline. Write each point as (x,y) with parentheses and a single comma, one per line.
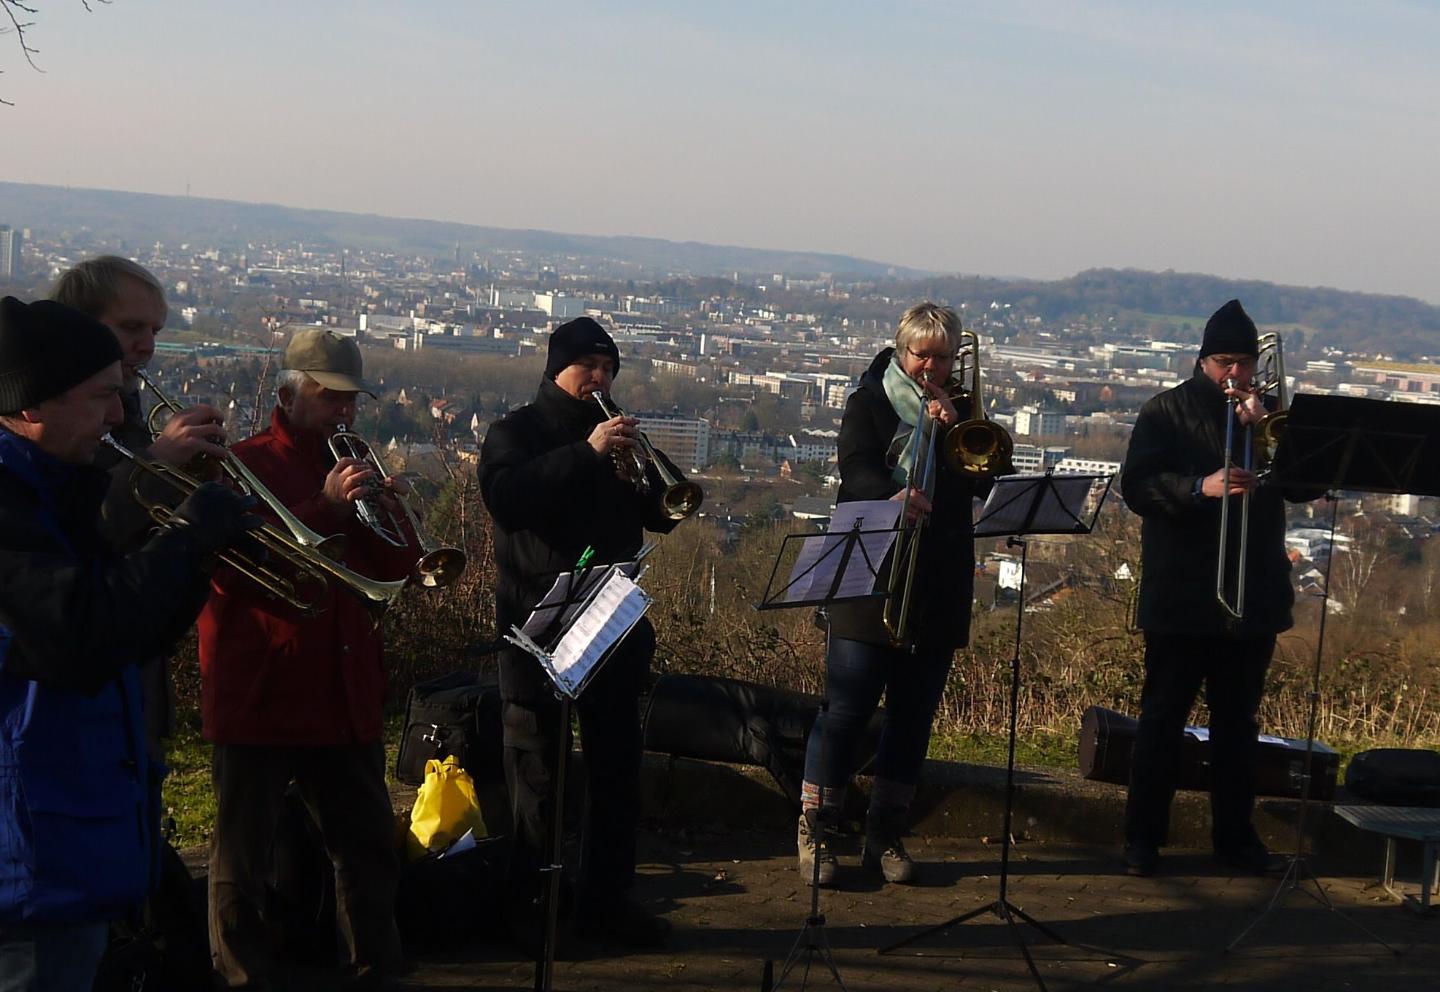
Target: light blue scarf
(907,400)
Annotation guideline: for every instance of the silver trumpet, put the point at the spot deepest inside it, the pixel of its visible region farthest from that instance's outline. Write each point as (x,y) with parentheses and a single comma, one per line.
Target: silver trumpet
(438,564)
(680,498)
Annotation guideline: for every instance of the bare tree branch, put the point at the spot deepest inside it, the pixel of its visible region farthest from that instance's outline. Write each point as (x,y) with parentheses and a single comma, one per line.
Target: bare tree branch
(19,14)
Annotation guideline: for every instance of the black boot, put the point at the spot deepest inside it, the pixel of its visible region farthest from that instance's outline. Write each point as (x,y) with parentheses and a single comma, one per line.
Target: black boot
(884,850)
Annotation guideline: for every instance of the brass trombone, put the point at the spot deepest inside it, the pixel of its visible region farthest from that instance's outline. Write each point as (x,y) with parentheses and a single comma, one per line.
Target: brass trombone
(244,480)
(977,447)
(1261,440)
(680,498)
(313,571)
(906,554)
(438,564)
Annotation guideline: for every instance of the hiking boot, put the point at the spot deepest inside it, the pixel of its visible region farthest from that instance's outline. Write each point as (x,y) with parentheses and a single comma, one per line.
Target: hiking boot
(813,853)
(1141,861)
(889,857)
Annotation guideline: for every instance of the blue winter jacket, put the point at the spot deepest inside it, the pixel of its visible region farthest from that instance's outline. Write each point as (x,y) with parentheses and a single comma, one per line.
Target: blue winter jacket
(79,801)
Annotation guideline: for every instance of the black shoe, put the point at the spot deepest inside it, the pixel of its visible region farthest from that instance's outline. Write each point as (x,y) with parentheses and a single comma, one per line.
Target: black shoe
(1141,861)
(623,923)
(1252,859)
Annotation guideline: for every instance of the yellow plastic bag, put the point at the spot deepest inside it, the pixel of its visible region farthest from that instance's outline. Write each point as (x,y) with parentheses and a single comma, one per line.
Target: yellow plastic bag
(445,808)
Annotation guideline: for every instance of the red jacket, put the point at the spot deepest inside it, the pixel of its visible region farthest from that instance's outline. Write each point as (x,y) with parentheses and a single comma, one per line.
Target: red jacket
(270,676)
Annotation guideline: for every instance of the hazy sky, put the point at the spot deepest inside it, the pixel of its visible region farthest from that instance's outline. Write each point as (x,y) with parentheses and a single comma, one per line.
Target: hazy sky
(1296,142)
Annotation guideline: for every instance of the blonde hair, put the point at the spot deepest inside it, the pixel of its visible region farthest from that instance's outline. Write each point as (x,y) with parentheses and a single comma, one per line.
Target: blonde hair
(926,323)
(95,283)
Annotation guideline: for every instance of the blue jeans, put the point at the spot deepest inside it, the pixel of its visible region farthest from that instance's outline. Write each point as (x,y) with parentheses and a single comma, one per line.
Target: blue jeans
(51,958)
(856,673)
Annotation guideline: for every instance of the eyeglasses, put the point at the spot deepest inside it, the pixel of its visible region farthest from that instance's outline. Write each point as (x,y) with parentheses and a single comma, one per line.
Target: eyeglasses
(1238,361)
(934,357)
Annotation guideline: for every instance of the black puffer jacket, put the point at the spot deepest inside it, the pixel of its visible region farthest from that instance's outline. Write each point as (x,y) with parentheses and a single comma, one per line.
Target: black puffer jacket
(551,496)
(77,614)
(945,574)
(1179,438)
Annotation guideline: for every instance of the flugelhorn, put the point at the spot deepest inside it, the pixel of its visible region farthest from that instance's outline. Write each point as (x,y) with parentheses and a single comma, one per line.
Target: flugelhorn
(244,480)
(977,447)
(312,571)
(680,498)
(438,564)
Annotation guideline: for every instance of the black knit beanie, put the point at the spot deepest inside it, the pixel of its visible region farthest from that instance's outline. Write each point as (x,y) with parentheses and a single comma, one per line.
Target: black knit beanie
(47,347)
(1230,331)
(575,339)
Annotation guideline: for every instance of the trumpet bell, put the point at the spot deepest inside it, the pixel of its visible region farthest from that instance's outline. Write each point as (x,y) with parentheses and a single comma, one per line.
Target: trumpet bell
(682,500)
(440,567)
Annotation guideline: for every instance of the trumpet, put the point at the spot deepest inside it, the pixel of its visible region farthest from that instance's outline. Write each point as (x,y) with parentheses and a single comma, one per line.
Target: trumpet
(438,565)
(313,571)
(243,479)
(906,554)
(1261,440)
(977,447)
(680,498)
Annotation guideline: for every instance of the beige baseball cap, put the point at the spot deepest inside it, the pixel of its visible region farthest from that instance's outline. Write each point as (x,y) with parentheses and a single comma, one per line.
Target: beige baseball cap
(329,359)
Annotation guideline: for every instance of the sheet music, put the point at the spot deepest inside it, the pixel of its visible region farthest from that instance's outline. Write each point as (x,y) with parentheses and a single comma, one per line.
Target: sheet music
(616,607)
(542,616)
(815,566)
(1069,500)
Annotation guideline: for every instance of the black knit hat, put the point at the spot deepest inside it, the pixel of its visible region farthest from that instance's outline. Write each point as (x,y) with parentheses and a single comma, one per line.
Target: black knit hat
(1230,331)
(47,347)
(575,339)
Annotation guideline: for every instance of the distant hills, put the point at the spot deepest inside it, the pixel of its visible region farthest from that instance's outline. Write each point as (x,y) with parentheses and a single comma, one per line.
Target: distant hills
(142,218)
(1171,305)
(1175,305)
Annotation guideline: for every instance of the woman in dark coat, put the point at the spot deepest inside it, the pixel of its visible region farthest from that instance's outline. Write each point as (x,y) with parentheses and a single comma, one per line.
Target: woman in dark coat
(863,660)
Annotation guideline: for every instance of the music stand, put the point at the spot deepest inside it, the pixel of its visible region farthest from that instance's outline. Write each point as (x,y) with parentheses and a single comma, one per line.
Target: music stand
(579,621)
(1360,445)
(837,566)
(1019,507)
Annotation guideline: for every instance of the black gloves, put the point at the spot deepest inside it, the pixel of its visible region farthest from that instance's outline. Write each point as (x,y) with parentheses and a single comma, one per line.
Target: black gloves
(215,517)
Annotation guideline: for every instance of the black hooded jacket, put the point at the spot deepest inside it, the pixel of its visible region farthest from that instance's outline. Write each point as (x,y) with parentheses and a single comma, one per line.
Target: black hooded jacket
(1179,438)
(552,497)
(945,574)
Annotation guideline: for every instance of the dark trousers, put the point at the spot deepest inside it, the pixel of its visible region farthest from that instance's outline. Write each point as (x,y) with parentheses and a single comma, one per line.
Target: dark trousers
(344,790)
(610,741)
(1233,672)
(856,673)
(51,957)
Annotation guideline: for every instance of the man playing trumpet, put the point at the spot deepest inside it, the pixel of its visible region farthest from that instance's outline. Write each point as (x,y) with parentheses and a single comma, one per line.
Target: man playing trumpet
(79,797)
(127,298)
(287,697)
(556,477)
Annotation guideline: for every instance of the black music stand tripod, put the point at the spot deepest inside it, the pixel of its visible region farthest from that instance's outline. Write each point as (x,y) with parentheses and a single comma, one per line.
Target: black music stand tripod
(1020,507)
(839,566)
(557,642)
(1341,443)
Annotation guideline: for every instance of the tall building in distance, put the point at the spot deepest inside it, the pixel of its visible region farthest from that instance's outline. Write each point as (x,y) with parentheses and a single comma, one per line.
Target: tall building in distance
(9,251)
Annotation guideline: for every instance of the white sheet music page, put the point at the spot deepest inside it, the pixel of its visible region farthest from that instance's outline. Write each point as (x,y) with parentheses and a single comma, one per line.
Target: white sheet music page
(544,614)
(814,570)
(618,605)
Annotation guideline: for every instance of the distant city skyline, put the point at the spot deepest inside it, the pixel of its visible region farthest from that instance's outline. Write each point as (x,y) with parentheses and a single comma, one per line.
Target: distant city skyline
(1292,142)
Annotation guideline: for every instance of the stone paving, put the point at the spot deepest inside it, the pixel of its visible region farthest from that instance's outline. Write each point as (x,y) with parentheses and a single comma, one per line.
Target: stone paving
(736,899)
